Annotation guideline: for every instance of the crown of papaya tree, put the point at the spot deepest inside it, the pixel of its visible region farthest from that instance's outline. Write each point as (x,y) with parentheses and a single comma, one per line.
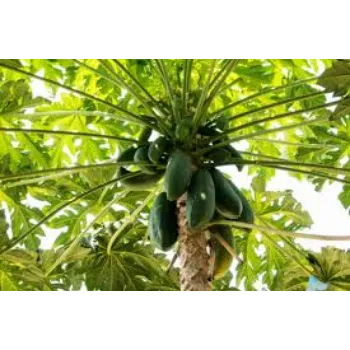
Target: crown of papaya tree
(128,159)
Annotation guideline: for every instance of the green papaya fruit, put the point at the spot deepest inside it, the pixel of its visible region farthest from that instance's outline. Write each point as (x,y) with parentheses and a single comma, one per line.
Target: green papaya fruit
(208,131)
(141,156)
(219,155)
(235,155)
(140,182)
(200,205)
(222,123)
(247,215)
(163,227)
(158,148)
(228,203)
(145,134)
(177,175)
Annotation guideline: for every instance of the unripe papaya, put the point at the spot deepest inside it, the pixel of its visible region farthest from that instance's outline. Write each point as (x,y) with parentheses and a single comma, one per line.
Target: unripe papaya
(158,148)
(163,228)
(228,203)
(141,156)
(177,175)
(200,205)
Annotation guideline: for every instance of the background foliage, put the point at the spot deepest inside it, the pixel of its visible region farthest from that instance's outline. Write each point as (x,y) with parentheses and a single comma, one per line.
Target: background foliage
(51,189)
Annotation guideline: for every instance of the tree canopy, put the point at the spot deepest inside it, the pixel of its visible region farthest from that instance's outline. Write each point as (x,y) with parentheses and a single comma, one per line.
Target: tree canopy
(63,123)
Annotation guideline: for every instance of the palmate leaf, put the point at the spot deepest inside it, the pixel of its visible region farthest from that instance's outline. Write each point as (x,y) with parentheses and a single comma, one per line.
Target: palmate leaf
(4,226)
(264,254)
(344,197)
(333,268)
(69,274)
(17,95)
(21,215)
(102,106)
(337,78)
(248,271)
(130,266)
(21,270)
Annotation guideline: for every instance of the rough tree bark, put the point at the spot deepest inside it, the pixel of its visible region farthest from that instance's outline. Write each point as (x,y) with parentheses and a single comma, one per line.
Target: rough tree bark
(193,255)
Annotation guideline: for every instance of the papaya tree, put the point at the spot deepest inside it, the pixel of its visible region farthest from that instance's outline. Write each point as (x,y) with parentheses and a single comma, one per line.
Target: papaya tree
(119,174)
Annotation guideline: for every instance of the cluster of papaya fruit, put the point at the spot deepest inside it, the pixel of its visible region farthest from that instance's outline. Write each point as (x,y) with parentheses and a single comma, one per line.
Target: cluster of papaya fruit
(210,195)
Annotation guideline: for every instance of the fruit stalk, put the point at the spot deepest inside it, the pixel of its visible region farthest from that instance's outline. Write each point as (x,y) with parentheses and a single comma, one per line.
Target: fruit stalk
(193,255)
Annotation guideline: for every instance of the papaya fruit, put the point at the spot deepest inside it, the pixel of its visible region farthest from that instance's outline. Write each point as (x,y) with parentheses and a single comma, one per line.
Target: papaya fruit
(141,156)
(235,155)
(163,229)
(158,148)
(200,205)
(208,131)
(127,155)
(219,155)
(222,123)
(223,259)
(145,134)
(177,175)
(183,130)
(228,203)
(140,182)
(247,215)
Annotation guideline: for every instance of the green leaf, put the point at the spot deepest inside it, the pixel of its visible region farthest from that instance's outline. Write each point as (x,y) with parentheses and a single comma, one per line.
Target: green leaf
(129,267)
(6,284)
(343,108)
(333,267)
(344,197)
(337,78)
(14,62)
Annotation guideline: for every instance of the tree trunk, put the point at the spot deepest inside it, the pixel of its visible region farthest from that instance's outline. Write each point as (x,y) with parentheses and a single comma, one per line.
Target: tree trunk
(193,255)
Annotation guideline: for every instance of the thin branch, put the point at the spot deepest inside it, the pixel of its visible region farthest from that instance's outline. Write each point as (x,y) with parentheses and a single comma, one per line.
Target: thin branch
(263,132)
(282,161)
(70,133)
(63,206)
(67,113)
(78,92)
(229,249)
(276,117)
(230,67)
(112,163)
(81,234)
(275,104)
(187,83)
(286,253)
(227,86)
(217,76)
(160,109)
(131,218)
(295,144)
(119,81)
(169,89)
(198,114)
(139,85)
(238,224)
(272,165)
(262,93)
(172,262)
